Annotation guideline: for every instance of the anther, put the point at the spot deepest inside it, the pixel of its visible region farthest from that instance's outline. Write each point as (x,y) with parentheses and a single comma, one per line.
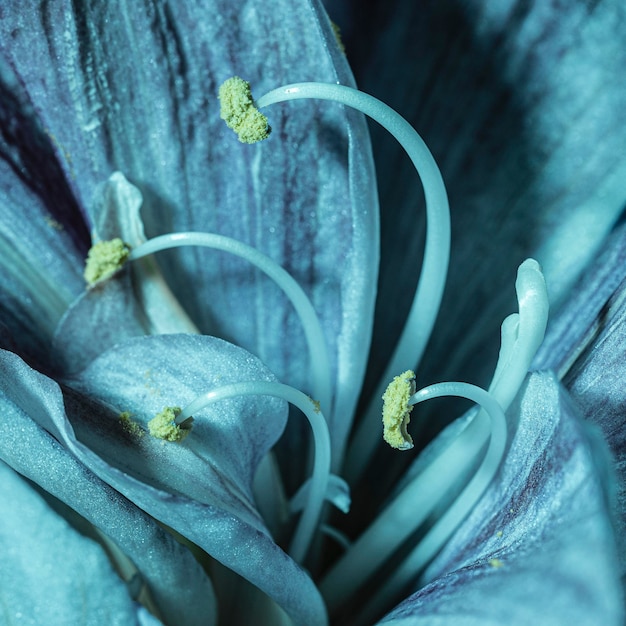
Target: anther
(240,113)
(396,411)
(164,426)
(104,259)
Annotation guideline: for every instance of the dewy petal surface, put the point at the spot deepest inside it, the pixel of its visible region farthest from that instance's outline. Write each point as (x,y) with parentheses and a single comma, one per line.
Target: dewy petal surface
(177,584)
(132,87)
(539,546)
(51,574)
(201,488)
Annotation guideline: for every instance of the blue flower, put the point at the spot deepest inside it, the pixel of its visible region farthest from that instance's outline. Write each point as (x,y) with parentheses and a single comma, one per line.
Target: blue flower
(110,128)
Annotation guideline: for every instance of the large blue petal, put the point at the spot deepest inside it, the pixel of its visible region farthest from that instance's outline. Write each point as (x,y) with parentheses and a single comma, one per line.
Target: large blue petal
(50,573)
(585,343)
(201,488)
(176,582)
(132,87)
(596,381)
(539,546)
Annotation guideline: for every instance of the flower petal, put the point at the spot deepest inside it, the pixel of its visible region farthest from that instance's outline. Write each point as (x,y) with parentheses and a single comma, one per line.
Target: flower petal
(579,319)
(202,487)
(539,546)
(103,316)
(50,573)
(176,582)
(596,381)
(217,464)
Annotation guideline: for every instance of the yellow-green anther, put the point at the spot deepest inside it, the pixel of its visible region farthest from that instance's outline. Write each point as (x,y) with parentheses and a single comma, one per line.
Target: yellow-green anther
(396,411)
(164,426)
(104,259)
(237,109)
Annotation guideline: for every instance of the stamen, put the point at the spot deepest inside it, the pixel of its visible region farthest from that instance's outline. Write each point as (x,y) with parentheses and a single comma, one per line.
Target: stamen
(337,494)
(396,411)
(318,352)
(522,334)
(434,540)
(340,538)
(423,312)
(417,500)
(239,112)
(104,259)
(321,465)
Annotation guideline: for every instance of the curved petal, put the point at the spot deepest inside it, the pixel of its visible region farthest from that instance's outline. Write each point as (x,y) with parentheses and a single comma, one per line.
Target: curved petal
(50,573)
(201,488)
(216,464)
(176,582)
(539,546)
(132,87)
(584,344)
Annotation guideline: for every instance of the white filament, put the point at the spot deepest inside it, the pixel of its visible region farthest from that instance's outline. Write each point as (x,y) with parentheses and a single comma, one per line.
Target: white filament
(421,318)
(318,352)
(321,464)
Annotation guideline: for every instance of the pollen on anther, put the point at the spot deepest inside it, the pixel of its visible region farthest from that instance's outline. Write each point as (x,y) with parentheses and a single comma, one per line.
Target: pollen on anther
(164,426)
(396,411)
(104,259)
(237,109)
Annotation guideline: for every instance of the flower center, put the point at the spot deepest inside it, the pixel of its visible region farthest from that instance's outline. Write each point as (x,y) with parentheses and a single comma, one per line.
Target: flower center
(389,535)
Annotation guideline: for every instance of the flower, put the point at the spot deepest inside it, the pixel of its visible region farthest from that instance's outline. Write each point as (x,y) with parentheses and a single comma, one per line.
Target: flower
(81,379)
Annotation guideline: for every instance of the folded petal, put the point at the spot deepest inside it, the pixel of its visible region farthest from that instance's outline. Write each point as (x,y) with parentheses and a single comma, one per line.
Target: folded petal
(50,573)
(176,582)
(539,546)
(201,487)
(216,465)
(101,317)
